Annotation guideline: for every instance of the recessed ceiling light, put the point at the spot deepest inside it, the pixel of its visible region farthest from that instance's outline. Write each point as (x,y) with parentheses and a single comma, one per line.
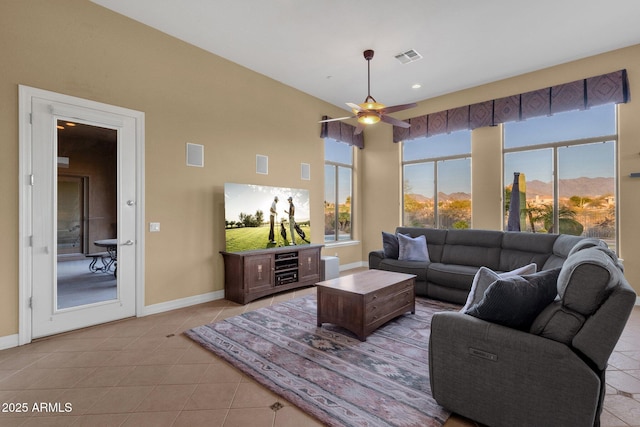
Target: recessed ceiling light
(416,86)
(70,124)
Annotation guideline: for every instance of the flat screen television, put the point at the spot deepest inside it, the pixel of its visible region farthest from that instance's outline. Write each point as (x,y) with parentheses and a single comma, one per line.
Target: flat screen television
(248,217)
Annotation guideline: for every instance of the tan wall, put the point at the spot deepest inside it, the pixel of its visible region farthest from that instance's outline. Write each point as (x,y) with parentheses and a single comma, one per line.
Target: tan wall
(382,192)
(77,48)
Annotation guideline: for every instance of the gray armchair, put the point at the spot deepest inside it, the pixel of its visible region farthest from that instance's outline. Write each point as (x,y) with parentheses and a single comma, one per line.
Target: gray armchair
(553,373)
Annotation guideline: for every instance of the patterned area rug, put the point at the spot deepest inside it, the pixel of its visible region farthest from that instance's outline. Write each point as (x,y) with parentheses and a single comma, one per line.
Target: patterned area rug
(327,371)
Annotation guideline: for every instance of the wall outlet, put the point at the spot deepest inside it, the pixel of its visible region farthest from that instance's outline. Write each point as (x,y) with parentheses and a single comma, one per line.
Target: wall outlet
(154,227)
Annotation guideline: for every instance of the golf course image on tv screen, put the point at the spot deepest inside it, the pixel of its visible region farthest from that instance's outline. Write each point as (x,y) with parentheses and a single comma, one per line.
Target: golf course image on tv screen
(260,217)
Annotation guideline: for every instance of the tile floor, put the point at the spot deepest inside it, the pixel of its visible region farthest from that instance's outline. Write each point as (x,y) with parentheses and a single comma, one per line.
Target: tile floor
(143,372)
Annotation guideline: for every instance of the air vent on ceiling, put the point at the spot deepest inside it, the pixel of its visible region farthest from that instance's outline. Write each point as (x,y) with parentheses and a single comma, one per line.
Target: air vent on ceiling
(408,56)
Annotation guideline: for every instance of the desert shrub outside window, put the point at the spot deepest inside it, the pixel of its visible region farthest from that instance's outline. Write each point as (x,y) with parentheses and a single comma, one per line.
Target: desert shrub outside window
(436,181)
(569,162)
(338,191)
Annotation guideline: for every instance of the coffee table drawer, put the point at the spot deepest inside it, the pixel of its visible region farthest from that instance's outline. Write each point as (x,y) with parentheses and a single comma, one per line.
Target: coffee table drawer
(387,307)
(389,291)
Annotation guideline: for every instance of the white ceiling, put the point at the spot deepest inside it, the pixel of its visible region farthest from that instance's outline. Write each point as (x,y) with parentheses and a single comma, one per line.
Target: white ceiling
(316,45)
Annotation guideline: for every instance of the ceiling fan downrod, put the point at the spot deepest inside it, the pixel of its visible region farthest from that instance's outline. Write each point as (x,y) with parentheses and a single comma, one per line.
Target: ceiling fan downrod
(370,104)
(368,55)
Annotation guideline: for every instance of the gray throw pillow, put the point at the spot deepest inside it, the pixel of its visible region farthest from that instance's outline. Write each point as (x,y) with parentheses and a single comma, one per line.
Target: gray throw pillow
(390,245)
(517,301)
(485,277)
(413,249)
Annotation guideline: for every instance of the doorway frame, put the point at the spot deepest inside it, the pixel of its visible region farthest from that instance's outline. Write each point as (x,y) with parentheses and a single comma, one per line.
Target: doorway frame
(25,279)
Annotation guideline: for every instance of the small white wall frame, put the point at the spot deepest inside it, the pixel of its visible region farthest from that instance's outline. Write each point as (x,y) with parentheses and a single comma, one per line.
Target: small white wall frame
(195,155)
(262,164)
(305,171)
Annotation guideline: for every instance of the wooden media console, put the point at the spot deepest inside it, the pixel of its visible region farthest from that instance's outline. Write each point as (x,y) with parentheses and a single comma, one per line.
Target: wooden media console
(250,275)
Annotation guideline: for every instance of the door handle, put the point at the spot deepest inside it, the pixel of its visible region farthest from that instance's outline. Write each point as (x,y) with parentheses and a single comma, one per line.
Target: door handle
(128,243)
(130,203)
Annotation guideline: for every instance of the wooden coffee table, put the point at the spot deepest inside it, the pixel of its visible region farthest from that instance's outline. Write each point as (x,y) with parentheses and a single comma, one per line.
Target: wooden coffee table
(362,302)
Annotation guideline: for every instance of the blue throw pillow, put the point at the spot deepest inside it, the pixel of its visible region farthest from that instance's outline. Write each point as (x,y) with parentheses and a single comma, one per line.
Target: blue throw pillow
(412,249)
(390,245)
(516,301)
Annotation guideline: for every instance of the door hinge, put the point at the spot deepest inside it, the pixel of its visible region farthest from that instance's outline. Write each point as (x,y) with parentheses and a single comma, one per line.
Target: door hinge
(30,241)
(30,118)
(30,302)
(31,180)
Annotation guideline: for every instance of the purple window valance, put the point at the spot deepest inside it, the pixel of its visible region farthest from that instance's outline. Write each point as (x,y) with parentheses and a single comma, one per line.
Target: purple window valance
(607,89)
(418,127)
(481,114)
(437,123)
(457,119)
(567,97)
(341,132)
(577,95)
(402,134)
(536,103)
(506,109)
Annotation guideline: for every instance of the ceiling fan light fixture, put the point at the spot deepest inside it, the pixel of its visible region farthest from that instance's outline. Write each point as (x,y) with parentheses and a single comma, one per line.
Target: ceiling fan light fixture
(371,104)
(370,111)
(368,118)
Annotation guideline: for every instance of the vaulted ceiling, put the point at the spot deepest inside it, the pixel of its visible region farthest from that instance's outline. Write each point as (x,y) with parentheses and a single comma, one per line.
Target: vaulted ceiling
(316,46)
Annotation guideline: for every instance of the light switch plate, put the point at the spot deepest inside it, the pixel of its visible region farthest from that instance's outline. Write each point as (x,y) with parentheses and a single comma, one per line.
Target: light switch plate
(154,227)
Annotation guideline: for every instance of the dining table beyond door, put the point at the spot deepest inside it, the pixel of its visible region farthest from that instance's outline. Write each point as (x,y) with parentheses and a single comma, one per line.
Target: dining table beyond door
(111,245)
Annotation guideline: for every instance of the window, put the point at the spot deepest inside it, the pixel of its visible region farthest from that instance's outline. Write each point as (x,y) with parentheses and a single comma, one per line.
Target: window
(436,181)
(338,191)
(569,163)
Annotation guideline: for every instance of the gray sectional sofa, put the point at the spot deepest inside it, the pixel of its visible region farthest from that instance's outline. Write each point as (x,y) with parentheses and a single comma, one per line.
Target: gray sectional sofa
(527,349)
(456,255)
(499,371)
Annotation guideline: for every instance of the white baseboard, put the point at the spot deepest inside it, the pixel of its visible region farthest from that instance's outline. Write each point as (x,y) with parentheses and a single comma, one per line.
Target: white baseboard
(181,303)
(344,267)
(212,296)
(9,341)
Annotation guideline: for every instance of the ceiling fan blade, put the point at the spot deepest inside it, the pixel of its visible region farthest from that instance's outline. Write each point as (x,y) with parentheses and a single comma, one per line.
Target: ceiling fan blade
(355,106)
(358,129)
(401,107)
(335,120)
(395,122)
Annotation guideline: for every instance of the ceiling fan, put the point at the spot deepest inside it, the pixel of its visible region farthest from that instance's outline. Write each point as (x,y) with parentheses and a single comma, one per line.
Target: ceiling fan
(371,111)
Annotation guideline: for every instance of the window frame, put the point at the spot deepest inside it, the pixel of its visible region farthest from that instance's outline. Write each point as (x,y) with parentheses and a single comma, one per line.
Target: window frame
(336,165)
(436,161)
(555,146)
